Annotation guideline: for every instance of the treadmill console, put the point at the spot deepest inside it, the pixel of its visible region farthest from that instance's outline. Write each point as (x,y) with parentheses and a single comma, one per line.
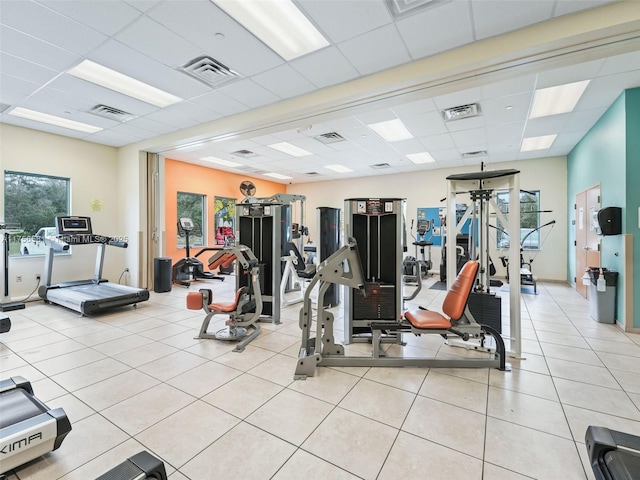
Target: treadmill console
(74,225)
(186,224)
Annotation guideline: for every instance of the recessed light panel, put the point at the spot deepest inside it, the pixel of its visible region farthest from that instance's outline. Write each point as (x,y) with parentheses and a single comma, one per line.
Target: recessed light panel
(338,168)
(556,100)
(421,157)
(53,120)
(391,130)
(220,161)
(537,143)
(279,176)
(278,23)
(290,149)
(121,83)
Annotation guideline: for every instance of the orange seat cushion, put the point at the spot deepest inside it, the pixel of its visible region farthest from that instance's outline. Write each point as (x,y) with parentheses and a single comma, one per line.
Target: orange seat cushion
(427,319)
(194,300)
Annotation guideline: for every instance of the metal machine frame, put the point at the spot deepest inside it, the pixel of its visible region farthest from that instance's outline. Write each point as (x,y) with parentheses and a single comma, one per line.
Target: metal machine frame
(323,351)
(481,186)
(244,313)
(7,229)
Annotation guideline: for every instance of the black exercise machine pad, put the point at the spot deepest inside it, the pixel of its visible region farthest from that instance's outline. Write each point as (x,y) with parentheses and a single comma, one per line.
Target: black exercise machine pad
(621,465)
(18,405)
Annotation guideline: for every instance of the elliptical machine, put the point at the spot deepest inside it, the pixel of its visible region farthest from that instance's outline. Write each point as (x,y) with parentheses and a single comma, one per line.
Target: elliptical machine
(189,269)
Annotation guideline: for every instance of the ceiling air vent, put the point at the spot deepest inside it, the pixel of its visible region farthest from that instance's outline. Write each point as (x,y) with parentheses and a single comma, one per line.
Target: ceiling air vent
(244,153)
(3,107)
(463,111)
(112,113)
(402,8)
(380,166)
(479,153)
(331,137)
(312,173)
(248,169)
(209,71)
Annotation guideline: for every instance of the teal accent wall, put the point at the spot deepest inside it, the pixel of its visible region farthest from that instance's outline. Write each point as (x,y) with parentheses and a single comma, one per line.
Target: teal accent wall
(609,155)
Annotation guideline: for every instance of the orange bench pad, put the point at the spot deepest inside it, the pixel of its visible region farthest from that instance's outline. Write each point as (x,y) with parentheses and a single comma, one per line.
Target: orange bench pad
(427,319)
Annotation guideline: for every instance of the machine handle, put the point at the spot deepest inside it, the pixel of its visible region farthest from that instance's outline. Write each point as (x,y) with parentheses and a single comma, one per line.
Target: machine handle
(117,243)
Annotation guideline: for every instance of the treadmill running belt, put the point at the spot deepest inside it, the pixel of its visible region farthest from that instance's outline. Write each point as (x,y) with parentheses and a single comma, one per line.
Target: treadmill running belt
(622,465)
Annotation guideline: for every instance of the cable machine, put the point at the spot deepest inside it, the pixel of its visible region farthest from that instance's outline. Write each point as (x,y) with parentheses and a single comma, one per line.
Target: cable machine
(481,187)
(265,226)
(378,226)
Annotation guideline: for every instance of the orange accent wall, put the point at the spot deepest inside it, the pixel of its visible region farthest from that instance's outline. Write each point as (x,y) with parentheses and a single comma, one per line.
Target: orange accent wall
(190,178)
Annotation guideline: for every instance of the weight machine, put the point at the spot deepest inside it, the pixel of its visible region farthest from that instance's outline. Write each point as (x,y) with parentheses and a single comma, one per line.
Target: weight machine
(480,186)
(189,269)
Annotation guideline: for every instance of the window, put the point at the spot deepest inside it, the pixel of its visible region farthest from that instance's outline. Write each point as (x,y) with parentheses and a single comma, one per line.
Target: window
(529,219)
(33,201)
(192,205)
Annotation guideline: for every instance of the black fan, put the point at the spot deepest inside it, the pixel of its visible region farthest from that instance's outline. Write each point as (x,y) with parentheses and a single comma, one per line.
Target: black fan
(247,188)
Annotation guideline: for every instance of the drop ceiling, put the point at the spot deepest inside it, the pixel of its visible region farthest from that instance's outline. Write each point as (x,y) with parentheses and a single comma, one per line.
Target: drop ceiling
(151,40)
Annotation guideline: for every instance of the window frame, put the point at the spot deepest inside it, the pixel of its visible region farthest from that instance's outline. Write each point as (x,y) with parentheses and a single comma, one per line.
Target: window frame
(203,239)
(16,239)
(502,199)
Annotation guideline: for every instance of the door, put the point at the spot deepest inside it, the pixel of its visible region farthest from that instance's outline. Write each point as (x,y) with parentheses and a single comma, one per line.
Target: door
(587,241)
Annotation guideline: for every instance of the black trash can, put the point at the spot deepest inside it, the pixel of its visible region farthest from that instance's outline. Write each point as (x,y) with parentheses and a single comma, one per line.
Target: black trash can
(602,305)
(162,274)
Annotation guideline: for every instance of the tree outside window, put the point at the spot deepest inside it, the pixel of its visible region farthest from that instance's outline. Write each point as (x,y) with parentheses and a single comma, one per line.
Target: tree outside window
(192,205)
(33,201)
(529,219)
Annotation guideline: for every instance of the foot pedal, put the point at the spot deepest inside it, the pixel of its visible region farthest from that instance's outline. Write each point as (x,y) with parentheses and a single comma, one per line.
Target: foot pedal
(135,467)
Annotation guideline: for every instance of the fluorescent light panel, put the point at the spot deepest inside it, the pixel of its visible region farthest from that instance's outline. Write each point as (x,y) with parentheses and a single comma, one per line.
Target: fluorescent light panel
(277,175)
(421,157)
(338,168)
(391,130)
(537,143)
(278,23)
(556,100)
(290,149)
(53,120)
(220,161)
(119,82)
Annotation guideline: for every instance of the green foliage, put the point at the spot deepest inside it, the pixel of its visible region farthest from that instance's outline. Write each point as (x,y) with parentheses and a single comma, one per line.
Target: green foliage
(191,205)
(34,200)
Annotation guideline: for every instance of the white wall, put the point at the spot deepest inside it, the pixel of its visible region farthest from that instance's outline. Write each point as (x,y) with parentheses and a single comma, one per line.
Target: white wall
(427,188)
(92,169)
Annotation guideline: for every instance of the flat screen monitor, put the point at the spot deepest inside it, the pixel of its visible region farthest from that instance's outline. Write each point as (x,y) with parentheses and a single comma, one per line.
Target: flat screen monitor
(73,225)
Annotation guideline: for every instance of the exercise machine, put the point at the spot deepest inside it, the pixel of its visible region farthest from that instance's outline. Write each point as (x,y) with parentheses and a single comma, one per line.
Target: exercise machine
(244,312)
(415,269)
(141,466)
(297,272)
(189,269)
(95,294)
(345,268)
(28,428)
(6,230)
(378,227)
(5,323)
(481,189)
(526,273)
(613,455)
(265,225)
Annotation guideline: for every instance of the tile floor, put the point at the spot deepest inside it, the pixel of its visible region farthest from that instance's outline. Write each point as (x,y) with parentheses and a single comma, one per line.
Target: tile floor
(136,379)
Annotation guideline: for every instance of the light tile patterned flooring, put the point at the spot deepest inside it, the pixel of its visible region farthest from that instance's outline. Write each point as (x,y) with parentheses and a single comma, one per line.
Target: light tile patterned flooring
(137,379)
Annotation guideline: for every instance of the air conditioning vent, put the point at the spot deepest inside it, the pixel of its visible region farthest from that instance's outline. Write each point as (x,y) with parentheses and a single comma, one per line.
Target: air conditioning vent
(460,112)
(244,153)
(3,107)
(479,153)
(380,166)
(112,113)
(331,137)
(402,8)
(312,173)
(209,71)
(249,169)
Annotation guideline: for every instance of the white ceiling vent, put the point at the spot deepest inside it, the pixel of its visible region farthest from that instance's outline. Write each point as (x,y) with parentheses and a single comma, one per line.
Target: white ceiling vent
(312,173)
(402,8)
(460,112)
(380,166)
(3,107)
(249,169)
(112,113)
(331,137)
(209,71)
(479,153)
(244,153)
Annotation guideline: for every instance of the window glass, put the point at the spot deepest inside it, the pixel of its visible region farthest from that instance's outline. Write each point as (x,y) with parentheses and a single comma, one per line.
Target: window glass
(192,206)
(33,201)
(529,219)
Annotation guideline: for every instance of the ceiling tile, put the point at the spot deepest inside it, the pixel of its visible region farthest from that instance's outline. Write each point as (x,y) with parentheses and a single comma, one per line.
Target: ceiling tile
(465,123)
(404,147)
(340,21)
(414,108)
(620,63)
(43,127)
(17,67)
(430,123)
(113,138)
(583,120)
(284,81)
(437,142)
(493,17)
(569,74)
(564,7)
(105,16)
(546,125)
(495,110)
(603,91)
(45,24)
(325,67)
(61,100)
(143,5)
(158,42)
(199,22)
(505,133)
(455,99)
(12,86)
(470,137)
(249,93)
(220,103)
(375,51)
(512,86)
(376,116)
(437,29)
(42,53)
(151,126)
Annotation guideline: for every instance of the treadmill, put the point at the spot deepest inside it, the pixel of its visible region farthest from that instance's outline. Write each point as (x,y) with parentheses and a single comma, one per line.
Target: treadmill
(613,455)
(86,296)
